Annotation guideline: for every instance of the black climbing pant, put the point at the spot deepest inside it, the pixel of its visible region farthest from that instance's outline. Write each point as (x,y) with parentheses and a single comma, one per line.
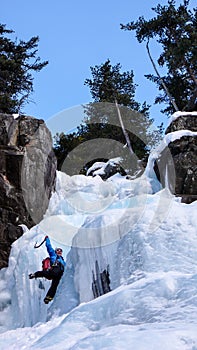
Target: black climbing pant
(53,274)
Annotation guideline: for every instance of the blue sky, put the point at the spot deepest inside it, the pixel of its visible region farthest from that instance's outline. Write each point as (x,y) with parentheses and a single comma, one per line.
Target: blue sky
(75,35)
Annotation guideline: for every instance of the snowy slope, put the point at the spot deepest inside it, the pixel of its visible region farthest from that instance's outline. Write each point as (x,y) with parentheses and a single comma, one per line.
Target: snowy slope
(149,241)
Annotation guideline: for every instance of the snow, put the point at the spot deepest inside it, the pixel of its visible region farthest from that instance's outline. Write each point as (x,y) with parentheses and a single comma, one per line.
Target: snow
(98,168)
(176,135)
(179,114)
(146,236)
(15,115)
(168,138)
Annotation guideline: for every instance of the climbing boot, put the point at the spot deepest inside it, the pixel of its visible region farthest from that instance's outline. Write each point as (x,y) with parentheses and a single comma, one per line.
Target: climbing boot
(47,299)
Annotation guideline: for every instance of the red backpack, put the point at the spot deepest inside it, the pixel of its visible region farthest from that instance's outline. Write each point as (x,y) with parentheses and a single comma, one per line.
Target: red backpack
(46,264)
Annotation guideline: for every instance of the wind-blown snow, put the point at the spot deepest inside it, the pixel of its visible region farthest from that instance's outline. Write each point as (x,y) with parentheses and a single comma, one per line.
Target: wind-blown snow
(149,240)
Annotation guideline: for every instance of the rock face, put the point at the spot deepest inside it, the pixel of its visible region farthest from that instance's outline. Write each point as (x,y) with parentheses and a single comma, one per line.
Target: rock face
(181,165)
(184,122)
(27,176)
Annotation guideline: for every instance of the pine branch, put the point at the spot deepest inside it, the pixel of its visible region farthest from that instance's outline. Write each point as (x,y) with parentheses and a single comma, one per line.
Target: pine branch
(192,103)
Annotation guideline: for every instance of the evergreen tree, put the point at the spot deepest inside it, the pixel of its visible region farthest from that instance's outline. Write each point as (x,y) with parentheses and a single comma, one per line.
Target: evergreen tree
(175,29)
(108,84)
(109,87)
(17,60)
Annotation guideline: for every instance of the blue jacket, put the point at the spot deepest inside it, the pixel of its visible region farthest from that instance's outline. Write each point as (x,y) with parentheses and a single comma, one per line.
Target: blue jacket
(53,256)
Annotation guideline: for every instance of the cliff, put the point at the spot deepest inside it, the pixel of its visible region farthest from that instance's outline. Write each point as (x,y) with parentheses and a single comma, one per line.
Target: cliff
(27,176)
(177,163)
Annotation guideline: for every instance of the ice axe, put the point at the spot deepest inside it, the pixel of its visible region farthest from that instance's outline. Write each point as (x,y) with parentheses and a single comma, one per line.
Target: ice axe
(39,245)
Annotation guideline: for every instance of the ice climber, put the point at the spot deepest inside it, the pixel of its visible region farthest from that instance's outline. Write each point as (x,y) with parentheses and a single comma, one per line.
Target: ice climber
(54,273)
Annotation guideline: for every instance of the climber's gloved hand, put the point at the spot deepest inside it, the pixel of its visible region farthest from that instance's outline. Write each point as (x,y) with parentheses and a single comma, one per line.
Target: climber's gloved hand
(46,237)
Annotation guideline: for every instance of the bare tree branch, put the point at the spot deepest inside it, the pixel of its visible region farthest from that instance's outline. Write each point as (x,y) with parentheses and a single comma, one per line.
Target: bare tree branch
(161,80)
(123,129)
